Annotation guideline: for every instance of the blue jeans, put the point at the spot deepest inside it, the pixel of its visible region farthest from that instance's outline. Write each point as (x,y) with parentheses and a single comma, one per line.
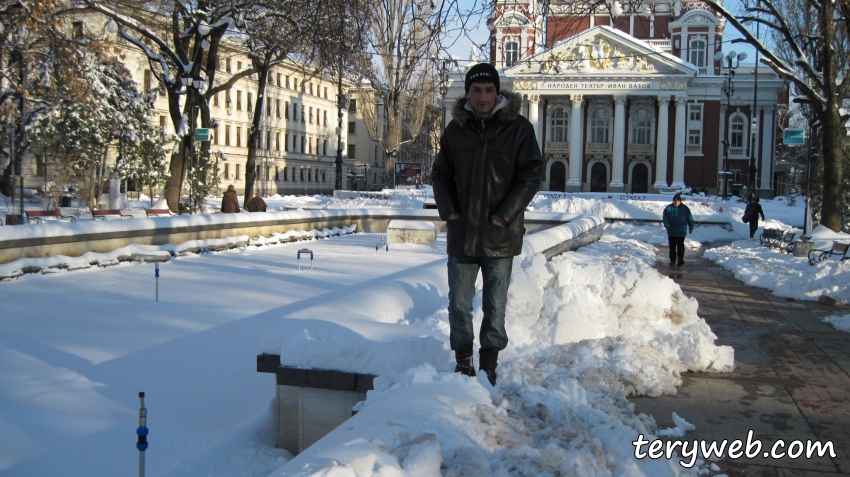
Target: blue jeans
(497,276)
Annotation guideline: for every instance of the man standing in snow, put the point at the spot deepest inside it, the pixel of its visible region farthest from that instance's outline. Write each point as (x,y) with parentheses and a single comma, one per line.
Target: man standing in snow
(486,173)
(679,221)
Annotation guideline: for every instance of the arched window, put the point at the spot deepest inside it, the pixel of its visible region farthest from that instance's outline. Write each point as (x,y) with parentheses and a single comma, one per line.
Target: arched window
(511,53)
(696,51)
(559,126)
(599,126)
(736,130)
(641,127)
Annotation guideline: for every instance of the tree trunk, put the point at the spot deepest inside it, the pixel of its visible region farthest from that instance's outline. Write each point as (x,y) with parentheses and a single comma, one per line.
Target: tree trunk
(251,165)
(834,130)
(175,181)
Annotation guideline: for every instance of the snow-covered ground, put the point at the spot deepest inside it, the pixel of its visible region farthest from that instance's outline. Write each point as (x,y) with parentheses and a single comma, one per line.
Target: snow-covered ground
(587,330)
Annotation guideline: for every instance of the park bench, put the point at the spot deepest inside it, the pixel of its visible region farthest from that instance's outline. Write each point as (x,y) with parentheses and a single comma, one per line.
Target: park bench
(39,215)
(785,241)
(103,213)
(157,212)
(768,236)
(838,250)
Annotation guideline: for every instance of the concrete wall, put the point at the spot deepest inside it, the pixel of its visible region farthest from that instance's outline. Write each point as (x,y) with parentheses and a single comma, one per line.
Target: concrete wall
(76,238)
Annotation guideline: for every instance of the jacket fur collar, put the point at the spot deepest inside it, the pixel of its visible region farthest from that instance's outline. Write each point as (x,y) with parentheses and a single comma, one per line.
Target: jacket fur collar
(507,113)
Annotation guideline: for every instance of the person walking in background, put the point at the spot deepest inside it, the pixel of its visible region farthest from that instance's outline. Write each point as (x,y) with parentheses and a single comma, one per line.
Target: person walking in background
(679,221)
(486,173)
(256,204)
(751,215)
(230,203)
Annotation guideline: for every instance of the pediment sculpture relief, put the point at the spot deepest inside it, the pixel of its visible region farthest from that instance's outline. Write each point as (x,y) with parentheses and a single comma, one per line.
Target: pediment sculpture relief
(597,55)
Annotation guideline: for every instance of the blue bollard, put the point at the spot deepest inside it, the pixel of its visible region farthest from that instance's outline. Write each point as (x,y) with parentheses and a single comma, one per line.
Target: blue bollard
(142,433)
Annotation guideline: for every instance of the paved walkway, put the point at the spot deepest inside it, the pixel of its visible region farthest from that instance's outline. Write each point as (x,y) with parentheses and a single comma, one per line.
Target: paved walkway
(790,381)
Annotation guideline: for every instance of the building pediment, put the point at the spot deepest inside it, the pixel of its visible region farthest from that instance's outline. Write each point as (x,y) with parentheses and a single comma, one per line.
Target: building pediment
(602,50)
(513,19)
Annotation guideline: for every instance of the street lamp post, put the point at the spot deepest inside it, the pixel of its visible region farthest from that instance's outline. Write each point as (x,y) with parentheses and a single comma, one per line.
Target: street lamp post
(305,179)
(753,169)
(728,90)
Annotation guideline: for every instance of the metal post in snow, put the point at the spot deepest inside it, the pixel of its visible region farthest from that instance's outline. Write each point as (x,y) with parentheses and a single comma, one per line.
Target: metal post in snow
(157,281)
(142,433)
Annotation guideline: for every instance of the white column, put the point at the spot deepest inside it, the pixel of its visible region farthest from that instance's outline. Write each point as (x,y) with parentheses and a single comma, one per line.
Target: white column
(661,142)
(679,143)
(576,159)
(534,117)
(619,141)
(767,149)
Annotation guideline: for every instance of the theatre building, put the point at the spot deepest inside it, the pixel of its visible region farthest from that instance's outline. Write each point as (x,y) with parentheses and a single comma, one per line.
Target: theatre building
(635,101)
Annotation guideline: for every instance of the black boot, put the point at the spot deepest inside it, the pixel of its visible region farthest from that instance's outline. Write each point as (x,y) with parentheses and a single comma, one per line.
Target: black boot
(463,356)
(488,359)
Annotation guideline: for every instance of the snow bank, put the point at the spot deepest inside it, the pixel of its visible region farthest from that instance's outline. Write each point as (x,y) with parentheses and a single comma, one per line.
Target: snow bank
(787,276)
(841,323)
(587,330)
(545,239)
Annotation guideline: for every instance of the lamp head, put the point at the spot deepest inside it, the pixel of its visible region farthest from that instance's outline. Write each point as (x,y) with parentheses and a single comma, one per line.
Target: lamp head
(203,28)
(616,9)
(742,56)
(718,56)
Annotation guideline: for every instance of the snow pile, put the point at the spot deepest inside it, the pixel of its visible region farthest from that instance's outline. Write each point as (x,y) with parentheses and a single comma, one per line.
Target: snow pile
(787,276)
(587,330)
(609,289)
(841,323)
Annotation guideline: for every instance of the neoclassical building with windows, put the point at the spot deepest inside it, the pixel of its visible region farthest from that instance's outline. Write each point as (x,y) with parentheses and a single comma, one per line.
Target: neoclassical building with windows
(635,103)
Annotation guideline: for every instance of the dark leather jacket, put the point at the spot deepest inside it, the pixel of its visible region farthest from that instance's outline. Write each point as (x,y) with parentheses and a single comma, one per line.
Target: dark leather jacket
(486,168)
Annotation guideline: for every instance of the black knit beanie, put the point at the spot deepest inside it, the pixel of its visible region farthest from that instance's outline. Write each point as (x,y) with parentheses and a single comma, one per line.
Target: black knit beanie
(481,73)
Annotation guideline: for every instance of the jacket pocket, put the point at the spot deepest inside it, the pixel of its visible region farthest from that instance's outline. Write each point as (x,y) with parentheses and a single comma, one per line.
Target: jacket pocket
(500,240)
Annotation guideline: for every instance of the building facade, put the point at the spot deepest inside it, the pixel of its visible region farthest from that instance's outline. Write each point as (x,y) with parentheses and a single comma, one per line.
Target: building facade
(635,102)
(298,140)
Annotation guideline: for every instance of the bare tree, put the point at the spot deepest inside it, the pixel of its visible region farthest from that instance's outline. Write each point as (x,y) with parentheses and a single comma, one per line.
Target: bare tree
(275,30)
(182,40)
(407,37)
(811,46)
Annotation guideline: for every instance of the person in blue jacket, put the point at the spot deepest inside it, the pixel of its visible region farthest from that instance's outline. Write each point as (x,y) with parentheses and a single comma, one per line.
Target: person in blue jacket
(679,221)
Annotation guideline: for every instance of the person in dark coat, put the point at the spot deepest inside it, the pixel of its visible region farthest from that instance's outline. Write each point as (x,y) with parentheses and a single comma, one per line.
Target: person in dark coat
(679,221)
(230,203)
(751,215)
(256,204)
(486,173)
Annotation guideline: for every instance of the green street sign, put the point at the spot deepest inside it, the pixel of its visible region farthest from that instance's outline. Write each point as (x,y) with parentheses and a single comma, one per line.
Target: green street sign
(793,137)
(202,134)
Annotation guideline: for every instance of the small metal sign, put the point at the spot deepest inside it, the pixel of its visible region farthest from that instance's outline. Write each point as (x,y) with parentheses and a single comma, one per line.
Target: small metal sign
(793,137)
(202,134)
